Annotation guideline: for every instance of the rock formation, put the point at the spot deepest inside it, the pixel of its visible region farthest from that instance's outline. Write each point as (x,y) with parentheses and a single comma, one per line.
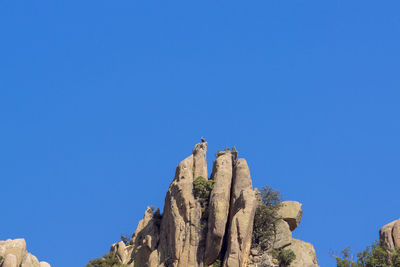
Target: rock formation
(390,235)
(218,210)
(216,231)
(243,207)
(14,254)
(290,213)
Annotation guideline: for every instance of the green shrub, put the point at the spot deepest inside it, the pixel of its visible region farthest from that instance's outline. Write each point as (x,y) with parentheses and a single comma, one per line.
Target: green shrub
(108,260)
(285,257)
(373,256)
(265,218)
(217,263)
(202,188)
(1,259)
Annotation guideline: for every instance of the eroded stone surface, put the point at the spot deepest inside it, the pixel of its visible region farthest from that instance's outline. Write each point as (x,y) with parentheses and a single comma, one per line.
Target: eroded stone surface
(283,235)
(291,212)
(218,209)
(182,235)
(242,210)
(305,254)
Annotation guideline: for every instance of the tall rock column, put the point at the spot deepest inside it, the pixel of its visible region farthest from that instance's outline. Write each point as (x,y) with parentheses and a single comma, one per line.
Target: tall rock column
(200,160)
(243,207)
(182,235)
(218,210)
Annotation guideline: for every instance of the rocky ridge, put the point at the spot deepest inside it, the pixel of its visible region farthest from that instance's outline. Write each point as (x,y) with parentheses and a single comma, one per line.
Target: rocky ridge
(13,253)
(212,232)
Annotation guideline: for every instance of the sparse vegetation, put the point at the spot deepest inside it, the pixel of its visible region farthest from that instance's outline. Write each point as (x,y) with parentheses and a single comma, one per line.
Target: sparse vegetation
(125,238)
(202,188)
(108,260)
(373,256)
(285,257)
(265,218)
(217,263)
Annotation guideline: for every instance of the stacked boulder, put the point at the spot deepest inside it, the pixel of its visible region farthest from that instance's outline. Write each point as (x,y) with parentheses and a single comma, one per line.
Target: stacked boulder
(13,253)
(290,214)
(216,233)
(390,235)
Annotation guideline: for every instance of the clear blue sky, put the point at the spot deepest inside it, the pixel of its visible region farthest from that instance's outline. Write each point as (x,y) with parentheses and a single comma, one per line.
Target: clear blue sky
(100,100)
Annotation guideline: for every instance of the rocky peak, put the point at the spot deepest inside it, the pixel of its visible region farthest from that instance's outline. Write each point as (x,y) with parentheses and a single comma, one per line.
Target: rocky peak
(13,253)
(216,230)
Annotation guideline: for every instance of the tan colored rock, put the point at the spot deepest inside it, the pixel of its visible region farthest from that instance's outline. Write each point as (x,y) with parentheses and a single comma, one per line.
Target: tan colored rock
(283,235)
(29,261)
(396,234)
(181,232)
(44,264)
(263,260)
(10,260)
(200,160)
(120,251)
(145,239)
(218,209)
(16,247)
(243,206)
(305,254)
(389,234)
(291,212)
(241,179)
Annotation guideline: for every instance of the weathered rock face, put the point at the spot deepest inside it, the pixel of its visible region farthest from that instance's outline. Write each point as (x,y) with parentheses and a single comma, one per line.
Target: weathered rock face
(182,234)
(390,235)
(29,261)
(200,160)
(15,254)
(195,231)
(121,251)
(10,260)
(218,210)
(146,237)
(15,247)
(283,236)
(243,207)
(305,254)
(291,212)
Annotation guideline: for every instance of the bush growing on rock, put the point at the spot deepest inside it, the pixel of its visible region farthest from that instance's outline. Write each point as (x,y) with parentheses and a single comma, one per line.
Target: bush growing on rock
(265,218)
(126,239)
(108,260)
(285,257)
(202,188)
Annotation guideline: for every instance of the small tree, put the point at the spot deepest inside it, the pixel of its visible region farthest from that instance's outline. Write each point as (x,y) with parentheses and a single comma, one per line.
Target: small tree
(202,188)
(265,218)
